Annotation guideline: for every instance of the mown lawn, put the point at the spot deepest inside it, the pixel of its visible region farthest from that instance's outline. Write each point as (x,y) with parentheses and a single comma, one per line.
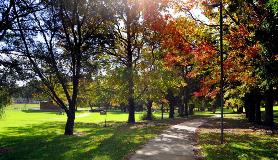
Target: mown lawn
(28,135)
(276,114)
(243,141)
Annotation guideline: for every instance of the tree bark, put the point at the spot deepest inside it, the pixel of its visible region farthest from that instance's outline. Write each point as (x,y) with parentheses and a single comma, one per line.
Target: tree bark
(70,123)
(251,117)
(181,105)
(131,107)
(269,108)
(257,104)
(171,99)
(240,110)
(131,110)
(172,111)
(162,111)
(246,105)
(191,109)
(202,107)
(185,101)
(149,110)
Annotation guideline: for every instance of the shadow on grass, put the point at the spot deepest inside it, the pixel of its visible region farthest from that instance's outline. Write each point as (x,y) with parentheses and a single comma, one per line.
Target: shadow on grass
(40,111)
(243,140)
(50,112)
(239,147)
(92,141)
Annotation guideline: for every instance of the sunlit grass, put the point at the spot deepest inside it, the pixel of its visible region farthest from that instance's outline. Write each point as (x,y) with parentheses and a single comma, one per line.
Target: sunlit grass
(242,141)
(34,135)
(239,146)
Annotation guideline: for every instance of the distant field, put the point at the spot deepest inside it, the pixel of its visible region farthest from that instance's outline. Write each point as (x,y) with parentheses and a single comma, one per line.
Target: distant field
(22,106)
(228,113)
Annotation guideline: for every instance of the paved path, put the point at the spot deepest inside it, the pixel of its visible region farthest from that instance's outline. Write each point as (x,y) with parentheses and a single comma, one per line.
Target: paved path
(175,143)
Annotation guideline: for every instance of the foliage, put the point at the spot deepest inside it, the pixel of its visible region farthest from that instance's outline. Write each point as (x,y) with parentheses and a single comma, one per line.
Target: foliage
(274,5)
(5,99)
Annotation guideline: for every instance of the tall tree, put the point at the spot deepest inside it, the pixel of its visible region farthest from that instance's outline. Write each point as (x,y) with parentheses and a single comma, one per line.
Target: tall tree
(129,33)
(54,43)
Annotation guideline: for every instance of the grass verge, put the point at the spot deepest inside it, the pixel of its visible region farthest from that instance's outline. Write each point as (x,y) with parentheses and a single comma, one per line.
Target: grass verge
(243,141)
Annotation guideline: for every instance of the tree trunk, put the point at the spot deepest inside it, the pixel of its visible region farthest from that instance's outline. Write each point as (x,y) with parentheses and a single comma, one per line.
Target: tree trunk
(181,106)
(185,101)
(70,123)
(269,108)
(258,110)
(149,110)
(131,107)
(251,117)
(171,99)
(185,92)
(172,111)
(191,109)
(246,105)
(162,111)
(131,110)
(240,110)
(203,105)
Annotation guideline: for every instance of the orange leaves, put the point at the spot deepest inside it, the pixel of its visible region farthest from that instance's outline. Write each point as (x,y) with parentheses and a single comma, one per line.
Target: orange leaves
(204,52)
(238,37)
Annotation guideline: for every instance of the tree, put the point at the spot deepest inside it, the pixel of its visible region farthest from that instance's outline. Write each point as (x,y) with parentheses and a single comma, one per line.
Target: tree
(70,34)
(250,51)
(129,32)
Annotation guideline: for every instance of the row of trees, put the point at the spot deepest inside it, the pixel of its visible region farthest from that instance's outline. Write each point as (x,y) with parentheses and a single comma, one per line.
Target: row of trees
(66,45)
(250,55)
(133,52)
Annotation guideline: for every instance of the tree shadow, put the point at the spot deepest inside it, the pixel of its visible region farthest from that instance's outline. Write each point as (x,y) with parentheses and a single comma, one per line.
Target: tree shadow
(240,147)
(91,141)
(41,111)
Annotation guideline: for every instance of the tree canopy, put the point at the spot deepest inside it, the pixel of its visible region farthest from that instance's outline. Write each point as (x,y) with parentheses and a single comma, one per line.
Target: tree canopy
(133,53)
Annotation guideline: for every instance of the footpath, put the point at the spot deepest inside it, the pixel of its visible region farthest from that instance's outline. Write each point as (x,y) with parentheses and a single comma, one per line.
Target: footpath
(175,143)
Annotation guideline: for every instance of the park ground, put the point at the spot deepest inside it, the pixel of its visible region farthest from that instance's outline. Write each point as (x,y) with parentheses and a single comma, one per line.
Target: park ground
(242,140)
(39,135)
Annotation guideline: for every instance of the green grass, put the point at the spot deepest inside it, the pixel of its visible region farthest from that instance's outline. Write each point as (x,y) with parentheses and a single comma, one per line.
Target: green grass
(240,147)
(22,106)
(276,114)
(210,113)
(275,110)
(241,142)
(39,135)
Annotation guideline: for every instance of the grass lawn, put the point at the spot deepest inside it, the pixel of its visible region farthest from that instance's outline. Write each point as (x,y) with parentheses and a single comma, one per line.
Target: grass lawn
(242,141)
(276,114)
(39,135)
(22,106)
(210,113)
